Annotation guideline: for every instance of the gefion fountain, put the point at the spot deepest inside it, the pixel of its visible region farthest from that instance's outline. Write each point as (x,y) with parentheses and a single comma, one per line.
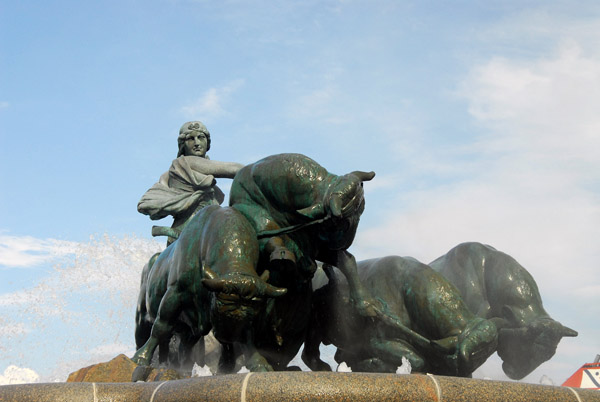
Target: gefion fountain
(272,272)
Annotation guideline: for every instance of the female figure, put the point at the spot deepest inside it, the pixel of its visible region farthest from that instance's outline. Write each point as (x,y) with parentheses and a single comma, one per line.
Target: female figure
(189,185)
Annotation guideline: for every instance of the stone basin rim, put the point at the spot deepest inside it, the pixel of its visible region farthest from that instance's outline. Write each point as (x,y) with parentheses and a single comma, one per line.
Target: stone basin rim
(276,386)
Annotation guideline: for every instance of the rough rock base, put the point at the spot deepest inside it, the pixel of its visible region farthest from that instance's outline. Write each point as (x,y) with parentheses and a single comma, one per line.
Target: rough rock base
(122,369)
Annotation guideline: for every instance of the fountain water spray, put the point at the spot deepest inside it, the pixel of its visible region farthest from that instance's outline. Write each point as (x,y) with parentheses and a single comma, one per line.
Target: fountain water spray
(81,312)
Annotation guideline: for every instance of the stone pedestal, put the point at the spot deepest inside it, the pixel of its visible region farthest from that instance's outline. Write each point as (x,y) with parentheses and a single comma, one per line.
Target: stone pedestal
(301,386)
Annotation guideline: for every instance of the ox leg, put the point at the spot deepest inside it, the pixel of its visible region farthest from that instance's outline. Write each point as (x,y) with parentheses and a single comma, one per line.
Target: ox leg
(162,329)
(142,326)
(392,352)
(311,355)
(191,350)
(374,365)
(360,297)
(227,359)
(478,341)
(256,362)
(163,353)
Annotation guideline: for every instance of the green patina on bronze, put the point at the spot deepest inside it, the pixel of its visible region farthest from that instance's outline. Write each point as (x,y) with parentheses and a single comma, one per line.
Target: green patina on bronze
(424,302)
(245,272)
(287,191)
(482,301)
(214,275)
(189,185)
(197,278)
(495,286)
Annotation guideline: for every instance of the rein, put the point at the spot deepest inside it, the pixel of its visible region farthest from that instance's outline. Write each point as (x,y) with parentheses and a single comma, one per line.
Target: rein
(290,229)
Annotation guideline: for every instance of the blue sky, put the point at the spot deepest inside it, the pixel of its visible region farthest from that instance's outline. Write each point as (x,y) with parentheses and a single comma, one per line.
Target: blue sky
(479,117)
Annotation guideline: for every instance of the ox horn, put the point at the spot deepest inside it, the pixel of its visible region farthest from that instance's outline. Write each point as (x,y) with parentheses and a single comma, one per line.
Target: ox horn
(566,331)
(315,211)
(215,285)
(273,291)
(270,290)
(445,345)
(335,205)
(363,176)
(209,273)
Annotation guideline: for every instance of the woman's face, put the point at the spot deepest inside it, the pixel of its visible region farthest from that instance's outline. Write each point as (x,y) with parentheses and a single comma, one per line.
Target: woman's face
(195,144)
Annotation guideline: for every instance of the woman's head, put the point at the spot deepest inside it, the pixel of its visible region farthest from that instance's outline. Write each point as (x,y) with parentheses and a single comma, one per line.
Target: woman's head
(194,139)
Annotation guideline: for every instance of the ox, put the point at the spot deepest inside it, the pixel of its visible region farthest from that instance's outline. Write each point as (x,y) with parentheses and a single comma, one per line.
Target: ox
(209,272)
(424,302)
(302,213)
(495,286)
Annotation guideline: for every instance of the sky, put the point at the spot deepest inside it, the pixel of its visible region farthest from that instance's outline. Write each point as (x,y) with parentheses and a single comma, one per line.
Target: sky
(480,119)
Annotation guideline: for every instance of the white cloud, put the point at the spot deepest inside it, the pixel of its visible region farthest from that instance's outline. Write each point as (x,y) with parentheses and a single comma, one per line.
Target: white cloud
(4,105)
(545,109)
(530,188)
(26,251)
(17,375)
(212,103)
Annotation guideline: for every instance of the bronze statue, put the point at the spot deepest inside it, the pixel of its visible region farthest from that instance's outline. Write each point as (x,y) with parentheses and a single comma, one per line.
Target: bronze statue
(189,184)
(287,198)
(302,213)
(478,281)
(495,286)
(245,272)
(208,273)
(427,305)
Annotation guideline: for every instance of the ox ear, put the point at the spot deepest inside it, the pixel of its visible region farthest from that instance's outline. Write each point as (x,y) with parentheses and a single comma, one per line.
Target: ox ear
(335,205)
(510,316)
(315,211)
(265,276)
(566,331)
(363,176)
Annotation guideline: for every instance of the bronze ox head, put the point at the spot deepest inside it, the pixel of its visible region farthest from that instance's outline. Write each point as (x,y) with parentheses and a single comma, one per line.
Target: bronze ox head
(343,203)
(524,348)
(239,298)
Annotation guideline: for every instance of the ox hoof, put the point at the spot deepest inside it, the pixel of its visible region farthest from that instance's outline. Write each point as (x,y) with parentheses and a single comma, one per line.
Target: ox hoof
(478,342)
(141,373)
(315,363)
(141,357)
(261,369)
(374,365)
(259,365)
